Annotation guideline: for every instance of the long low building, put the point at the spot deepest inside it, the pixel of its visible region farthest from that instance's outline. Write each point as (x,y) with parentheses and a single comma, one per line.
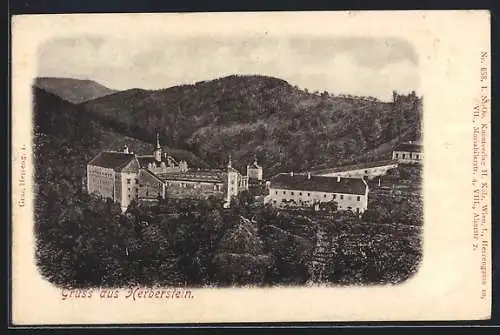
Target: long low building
(363,170)
(410,152)
(308,190)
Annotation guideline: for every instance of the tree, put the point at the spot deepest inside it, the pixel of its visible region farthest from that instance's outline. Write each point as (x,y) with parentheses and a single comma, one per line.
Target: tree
(240,257)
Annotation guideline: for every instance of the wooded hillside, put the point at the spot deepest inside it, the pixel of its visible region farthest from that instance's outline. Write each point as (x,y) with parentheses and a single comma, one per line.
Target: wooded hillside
(287,128)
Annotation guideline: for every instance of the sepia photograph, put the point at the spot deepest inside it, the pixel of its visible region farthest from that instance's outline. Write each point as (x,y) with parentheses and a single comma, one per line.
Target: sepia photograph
(173,164)
(163,165)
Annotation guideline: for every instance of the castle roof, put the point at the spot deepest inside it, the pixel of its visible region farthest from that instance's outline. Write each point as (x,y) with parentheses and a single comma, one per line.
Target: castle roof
(413,147)
(319,184)
(351,167)
(207,176)
(144,160)
(146,171)
(112,160)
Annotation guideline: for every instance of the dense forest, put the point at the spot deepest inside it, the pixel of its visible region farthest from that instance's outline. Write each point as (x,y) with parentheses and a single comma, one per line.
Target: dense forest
(287,128)
(66,139)
(85,242)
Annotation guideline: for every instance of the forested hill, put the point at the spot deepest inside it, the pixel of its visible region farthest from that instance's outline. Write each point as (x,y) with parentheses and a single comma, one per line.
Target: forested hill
(73,90)
(286,127)
(66,139)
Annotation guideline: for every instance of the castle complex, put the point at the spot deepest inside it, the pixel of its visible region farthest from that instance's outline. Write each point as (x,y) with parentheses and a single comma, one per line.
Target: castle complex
(124,176)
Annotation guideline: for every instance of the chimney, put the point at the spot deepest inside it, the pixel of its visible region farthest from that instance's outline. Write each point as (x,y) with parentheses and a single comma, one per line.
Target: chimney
(309,175)
(125,149)
(338,179)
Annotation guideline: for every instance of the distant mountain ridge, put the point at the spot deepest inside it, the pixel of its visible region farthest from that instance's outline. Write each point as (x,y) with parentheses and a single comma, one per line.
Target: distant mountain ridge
(286,127)
(73,90)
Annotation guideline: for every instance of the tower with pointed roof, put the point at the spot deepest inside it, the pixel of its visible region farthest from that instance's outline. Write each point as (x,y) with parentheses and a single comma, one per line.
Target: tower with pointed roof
(157,151)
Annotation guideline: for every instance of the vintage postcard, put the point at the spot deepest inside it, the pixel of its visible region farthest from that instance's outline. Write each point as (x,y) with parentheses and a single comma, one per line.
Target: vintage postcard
(251,167)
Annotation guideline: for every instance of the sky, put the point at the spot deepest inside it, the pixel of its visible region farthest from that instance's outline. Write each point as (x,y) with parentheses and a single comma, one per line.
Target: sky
(357,65)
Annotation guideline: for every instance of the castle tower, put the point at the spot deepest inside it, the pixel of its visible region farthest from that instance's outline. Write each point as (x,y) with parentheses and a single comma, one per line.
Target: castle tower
(157,151)
(232,181)
(254,170)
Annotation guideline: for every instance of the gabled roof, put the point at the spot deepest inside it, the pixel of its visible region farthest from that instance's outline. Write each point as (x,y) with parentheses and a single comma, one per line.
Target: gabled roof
(360,166)
(413,147)
(319,184)
(146,171)
(112,160)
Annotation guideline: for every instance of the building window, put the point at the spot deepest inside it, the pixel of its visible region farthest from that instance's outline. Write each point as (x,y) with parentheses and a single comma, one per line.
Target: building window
(341,197)
(308,194)
(358,198)
(276,192)
(404,155)
(292,193)
(284,192)
(128,180)
(137,181)
(324,195)
(357,210)
(128,189)
(397,155)
(334,196)
(300,193)
(366,171)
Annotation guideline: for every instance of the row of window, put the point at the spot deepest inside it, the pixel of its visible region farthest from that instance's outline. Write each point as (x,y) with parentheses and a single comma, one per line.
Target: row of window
(216,187)
(307,202)
(101,181)
(100,173)
(129,180)
(403,156)
(334,196)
